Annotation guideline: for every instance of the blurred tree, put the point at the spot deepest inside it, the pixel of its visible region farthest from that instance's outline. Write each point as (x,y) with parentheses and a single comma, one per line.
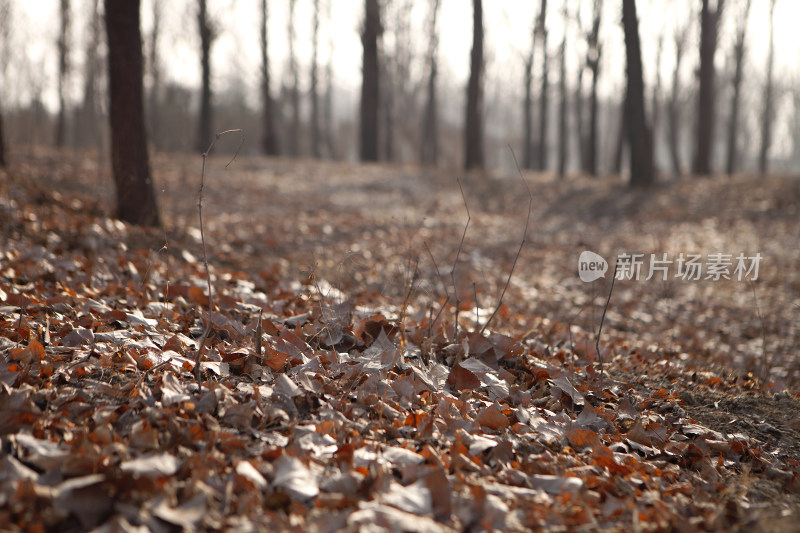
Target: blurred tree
(63,71)
(205,132)
(622,136)
(368,146)
(5,33)
(269,141)
(473,131)
(593,62)
(87,131)
(294,89)
(429,153)
(769,97)
(580,133)
(316,132)
(562,102)
(136,200)
(738,56)
(388,63)
(655,108)
(674,105)
(329,88)
(709,26)
(155,75)
(638,134)
(527,105)
(544,90)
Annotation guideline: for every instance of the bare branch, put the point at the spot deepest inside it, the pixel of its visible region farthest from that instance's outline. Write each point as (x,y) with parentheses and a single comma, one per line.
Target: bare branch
(521,244)
(202,342)
(458,253)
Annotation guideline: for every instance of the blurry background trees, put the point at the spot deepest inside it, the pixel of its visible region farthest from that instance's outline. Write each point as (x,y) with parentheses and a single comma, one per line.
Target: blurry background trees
(330,79)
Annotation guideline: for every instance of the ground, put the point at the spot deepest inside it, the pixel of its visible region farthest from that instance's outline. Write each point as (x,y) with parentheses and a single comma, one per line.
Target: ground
(352,378)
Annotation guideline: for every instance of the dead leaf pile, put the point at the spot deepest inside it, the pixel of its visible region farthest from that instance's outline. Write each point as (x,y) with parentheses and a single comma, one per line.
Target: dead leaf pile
(337,417)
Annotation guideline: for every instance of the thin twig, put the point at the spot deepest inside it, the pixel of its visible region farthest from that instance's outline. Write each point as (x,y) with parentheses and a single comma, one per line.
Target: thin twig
(521,244)
(602,319)
(409,293)
(477,308)
(202,342)
(458,253)
(764,366)
(444,286)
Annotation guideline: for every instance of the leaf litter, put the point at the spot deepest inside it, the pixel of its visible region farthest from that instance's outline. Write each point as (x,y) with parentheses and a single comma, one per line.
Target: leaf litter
(357,414)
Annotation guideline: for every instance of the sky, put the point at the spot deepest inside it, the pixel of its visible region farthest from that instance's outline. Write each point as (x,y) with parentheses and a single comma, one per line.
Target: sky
(508,26)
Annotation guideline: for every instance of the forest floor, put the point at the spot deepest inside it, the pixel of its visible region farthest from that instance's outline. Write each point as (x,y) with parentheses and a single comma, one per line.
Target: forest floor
(340,388)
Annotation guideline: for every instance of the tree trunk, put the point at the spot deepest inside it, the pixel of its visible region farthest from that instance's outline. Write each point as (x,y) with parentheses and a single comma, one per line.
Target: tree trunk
(544,90)
(709,23)
(638,134)
(580,134)
(473,133)
(269,142)
(329,93)
(155,74)
(294,90)
(85,125)
(429,153)
(370,82)
(3,162)
(136,200)
(673,109)
(316,133)
(562,102)
(527,106)
(622,138)
(766,118)
(63,69)
(387,105)
(655,111)
(5,30)
(205,132)
(738,57)
(593,61)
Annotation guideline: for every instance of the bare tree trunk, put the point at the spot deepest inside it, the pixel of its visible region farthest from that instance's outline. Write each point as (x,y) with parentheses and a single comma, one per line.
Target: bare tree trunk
(655,111)
(738,56)
(155,74)
(316,133)
(205,132)
(593,62)
(294,90)
(136,200)
(429,153)
(709,24)
(527,106)
(622,137)
(269,141)
(370,86)
(766,118)
(3,162)
(638,134)
(580,139)
(63,71)
(473,133)
(562,103)
(329,92)
(5,32)
(387,105)
(85,127)
(544,90)
(673,109)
